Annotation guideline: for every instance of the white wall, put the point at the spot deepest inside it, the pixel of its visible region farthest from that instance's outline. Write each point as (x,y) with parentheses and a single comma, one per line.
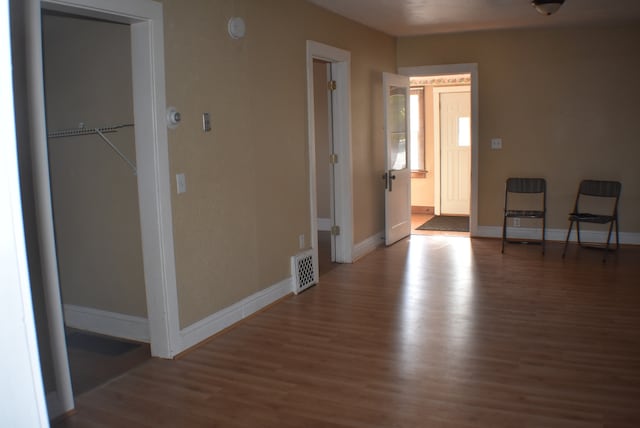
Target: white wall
(21,394)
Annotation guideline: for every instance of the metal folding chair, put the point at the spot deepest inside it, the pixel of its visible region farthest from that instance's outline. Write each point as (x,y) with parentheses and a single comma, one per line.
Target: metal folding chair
(596,202)
(529,206)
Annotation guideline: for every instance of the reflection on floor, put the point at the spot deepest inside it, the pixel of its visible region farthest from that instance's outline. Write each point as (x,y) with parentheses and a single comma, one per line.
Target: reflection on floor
(324,241)
(96,359)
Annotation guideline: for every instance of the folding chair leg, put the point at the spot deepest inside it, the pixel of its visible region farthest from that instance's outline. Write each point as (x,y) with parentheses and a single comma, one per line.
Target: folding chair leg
(566,241)
(543,234)
(578,233)
(504,232)
(606,248)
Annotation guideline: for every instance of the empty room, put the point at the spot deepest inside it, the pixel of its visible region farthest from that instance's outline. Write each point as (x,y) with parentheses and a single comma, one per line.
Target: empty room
(228,201)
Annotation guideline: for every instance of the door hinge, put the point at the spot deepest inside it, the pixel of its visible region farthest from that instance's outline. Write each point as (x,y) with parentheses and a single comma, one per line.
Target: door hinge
(335,230)
(332,85)
(333,158)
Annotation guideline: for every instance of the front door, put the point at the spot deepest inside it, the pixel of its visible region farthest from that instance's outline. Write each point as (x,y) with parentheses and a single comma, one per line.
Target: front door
(455,152)
(397,176)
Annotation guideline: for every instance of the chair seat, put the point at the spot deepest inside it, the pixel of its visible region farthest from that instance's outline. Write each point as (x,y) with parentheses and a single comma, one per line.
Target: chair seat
(524,213)
(591,218)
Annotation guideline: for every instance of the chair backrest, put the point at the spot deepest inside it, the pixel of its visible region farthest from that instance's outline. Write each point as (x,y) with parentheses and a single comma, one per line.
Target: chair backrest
(535,190)
(606,189)
(526,185)
(595,189)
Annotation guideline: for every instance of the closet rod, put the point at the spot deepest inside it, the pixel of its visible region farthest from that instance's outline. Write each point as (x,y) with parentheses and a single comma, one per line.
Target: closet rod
(87,131)
(100,132)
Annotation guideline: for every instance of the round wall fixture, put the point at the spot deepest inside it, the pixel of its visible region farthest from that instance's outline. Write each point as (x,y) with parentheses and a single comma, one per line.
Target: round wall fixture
(236,27)
(173,118)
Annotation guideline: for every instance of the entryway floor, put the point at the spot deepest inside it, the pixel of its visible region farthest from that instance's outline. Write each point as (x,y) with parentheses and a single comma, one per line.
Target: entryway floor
(418,220)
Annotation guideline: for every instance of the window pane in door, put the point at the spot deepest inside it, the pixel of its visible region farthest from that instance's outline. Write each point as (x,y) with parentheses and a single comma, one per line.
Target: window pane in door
(464,132)
(397,123)
(416,124)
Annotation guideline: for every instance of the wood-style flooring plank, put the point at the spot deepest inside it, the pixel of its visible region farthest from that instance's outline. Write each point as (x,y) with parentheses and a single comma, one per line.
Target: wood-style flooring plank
(433,331)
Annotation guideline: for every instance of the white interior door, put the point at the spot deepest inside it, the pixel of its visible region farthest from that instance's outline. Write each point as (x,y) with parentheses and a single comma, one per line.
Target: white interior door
(397,176)
(455,152)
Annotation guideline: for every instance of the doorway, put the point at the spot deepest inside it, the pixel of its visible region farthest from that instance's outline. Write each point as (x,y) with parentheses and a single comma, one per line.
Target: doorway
(329,142)
(434,181)
(153,184)
(325,169)
(452,149)
(94,195)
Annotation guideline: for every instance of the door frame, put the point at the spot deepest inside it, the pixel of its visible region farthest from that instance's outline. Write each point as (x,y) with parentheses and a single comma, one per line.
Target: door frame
(145,18)
(472,69)
(23,402)
(340,62)
(437,154)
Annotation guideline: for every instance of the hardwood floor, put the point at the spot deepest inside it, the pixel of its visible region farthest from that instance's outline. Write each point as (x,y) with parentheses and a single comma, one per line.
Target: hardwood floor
(434,331)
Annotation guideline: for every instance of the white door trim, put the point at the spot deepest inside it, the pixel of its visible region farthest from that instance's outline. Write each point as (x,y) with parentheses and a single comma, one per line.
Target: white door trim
(154,191)
(472,69)
(22,401)
(436,142)
(44,217)
(341,72)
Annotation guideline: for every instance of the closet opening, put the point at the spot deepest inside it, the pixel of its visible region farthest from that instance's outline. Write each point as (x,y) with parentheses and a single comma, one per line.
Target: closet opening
(94,193)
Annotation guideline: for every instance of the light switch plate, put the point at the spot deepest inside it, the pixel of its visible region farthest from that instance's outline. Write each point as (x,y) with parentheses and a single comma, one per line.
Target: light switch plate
(181,183)
(496,143)
(206,122)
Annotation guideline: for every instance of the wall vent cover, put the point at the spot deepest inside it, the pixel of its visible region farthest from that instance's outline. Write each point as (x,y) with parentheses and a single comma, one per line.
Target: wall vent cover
(303,271)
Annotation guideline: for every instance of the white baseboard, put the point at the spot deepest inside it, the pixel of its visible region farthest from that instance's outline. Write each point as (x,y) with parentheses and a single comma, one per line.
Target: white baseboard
(363,248)
(324,224)
(107,323)
(215,323)
(555,234)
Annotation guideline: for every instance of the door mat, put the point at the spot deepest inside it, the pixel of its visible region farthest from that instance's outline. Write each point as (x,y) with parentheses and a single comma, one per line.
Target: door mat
(451,223)
(99,344)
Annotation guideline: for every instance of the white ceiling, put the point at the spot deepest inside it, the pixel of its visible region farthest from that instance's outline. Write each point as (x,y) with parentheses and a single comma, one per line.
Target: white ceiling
(417,17)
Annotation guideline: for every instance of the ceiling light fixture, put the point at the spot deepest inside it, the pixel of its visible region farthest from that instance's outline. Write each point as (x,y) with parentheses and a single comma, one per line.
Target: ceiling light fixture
(547,7)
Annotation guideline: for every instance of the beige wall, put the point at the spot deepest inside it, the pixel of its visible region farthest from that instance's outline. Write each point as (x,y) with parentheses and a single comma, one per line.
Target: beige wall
(237,225)
(88,79)
(565,103)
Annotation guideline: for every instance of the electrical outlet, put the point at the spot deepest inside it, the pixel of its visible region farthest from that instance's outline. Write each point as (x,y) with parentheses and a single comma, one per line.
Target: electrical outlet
(516,222)
(496,143)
